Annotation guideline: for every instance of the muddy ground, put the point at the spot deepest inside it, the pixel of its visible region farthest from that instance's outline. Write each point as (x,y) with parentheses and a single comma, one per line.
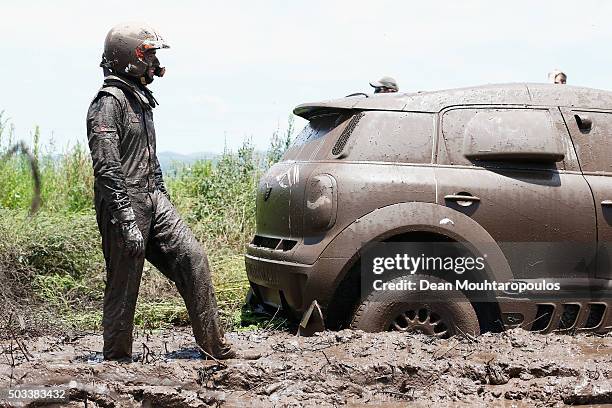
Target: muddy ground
(349,368)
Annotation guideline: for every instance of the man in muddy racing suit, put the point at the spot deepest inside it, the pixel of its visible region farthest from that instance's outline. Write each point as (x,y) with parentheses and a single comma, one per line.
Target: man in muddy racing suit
(136,219)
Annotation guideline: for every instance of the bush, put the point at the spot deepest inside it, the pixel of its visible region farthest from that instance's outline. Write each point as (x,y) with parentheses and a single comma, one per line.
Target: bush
(54,260)
(219,200)
(66,177)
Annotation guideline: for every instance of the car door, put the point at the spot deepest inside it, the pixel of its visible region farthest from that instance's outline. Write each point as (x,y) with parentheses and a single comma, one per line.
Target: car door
(540,213)
(591,132)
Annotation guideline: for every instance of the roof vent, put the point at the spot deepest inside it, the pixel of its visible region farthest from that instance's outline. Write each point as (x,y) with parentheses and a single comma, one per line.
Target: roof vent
(346,133)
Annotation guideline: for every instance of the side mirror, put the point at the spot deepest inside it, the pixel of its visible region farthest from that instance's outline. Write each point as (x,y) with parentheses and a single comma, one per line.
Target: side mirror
(512,135)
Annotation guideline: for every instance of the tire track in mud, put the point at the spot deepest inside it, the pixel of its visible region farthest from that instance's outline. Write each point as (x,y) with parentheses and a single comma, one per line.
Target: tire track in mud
(333,368)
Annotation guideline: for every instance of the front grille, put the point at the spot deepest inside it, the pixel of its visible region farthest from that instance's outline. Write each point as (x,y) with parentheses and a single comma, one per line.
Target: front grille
(596,314)
(265,242)
(569,316)
(273,243)
(286,245)
(543,317)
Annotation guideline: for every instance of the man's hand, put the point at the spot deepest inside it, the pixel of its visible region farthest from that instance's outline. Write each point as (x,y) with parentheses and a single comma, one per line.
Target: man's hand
(134,242)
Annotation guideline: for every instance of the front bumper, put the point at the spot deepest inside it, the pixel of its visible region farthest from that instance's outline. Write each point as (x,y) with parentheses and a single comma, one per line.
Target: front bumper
(292,286)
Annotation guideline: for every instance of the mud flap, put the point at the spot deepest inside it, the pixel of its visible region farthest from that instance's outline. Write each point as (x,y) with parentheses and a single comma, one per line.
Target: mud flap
(312,321)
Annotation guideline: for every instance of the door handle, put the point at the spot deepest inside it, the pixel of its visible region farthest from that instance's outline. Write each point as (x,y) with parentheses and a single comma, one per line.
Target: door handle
(462,200)
(459,197)
(606,202)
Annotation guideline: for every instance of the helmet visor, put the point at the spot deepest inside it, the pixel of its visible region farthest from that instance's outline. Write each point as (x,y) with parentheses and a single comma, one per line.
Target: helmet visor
(154,44)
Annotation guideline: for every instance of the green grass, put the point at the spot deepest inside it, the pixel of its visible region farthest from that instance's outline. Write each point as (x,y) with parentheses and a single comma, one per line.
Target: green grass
(52,261)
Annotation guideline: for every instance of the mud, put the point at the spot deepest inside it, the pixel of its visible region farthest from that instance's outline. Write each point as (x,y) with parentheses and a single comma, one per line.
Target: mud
(351,368)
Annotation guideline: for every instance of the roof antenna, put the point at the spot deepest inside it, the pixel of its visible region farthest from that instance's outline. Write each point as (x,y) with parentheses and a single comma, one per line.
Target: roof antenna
(357,94)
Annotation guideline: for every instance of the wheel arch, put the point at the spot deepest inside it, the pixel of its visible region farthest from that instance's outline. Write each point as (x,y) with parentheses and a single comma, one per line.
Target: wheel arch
(333,290)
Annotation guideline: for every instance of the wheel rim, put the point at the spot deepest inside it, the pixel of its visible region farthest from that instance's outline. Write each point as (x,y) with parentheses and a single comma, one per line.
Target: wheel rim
(421,320)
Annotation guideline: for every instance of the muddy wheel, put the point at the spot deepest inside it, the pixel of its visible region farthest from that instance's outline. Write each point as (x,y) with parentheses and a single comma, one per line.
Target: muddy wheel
(437,313)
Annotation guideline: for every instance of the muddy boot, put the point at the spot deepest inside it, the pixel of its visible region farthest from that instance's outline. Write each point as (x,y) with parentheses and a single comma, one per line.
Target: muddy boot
(231,353)
(121,360)
(224,350)
(225,354)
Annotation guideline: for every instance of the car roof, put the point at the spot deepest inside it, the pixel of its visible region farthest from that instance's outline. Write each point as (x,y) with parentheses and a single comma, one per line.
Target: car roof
(492,94)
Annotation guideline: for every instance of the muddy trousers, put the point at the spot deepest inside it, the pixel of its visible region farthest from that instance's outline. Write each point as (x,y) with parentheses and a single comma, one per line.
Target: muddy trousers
(172,248)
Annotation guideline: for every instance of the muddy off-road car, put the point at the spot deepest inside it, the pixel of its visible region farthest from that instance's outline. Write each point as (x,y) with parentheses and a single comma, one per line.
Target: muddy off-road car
(520,174)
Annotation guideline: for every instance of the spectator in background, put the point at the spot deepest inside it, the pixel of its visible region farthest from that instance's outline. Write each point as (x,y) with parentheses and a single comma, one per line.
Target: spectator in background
(384,85)
(557,77)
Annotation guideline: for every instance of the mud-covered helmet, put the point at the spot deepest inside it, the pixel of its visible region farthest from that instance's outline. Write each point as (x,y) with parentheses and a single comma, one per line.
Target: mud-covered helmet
(124,50)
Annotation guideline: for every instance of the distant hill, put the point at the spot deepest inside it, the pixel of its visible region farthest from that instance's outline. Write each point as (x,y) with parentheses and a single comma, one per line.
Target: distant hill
(167,159)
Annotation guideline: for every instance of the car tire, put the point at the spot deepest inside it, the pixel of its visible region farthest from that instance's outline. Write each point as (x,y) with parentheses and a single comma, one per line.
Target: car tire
(438,313)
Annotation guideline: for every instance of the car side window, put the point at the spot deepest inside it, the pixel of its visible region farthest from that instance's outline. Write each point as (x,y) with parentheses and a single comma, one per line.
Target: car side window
(402,137)
(318,127)
(487,135)
(591,133)
(308,141)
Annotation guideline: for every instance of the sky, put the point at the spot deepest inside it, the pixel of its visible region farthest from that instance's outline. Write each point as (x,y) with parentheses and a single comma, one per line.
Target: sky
(236,69)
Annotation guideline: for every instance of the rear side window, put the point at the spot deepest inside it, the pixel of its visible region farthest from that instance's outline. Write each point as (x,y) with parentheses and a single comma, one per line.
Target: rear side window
(490,134)
(308,141)
(402,137)
(318,127)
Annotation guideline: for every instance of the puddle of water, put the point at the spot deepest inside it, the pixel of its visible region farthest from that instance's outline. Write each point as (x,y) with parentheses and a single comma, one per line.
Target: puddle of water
(185,354)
